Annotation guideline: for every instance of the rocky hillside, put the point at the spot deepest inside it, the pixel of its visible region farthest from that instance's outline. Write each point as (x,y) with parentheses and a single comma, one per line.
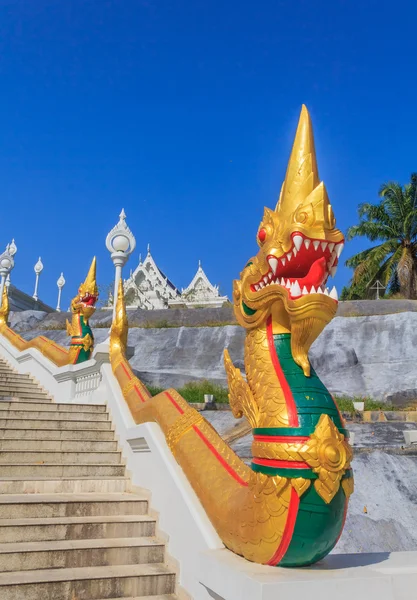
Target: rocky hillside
(371,356)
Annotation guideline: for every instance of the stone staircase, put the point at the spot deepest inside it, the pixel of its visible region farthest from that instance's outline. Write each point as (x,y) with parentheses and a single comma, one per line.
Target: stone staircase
(71,525)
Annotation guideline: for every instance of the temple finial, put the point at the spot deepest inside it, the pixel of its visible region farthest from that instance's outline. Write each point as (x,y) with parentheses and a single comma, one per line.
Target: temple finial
(302,173)
(149,248)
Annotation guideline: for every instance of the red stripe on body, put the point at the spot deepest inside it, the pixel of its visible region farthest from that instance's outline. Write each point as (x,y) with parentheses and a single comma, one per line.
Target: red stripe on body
(174,402)
(138,393)
(209,445)
(281,439)
(221,460)
(126,371)
(134,387)
(288,531)
(54,345)
(281,464)
(289,399)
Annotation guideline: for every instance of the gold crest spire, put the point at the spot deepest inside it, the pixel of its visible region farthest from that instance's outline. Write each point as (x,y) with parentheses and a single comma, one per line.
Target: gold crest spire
(90,283)
(302,174)
(302,186)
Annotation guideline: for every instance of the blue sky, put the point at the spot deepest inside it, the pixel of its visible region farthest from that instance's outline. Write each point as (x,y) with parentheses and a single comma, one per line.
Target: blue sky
(183,112)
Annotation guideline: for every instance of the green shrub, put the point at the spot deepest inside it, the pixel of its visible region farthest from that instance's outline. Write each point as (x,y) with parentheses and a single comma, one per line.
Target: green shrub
(194,391)
(154,390)
(345,403)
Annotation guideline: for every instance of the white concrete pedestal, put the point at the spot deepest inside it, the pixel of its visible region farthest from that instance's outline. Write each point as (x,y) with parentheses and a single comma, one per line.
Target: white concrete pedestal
(380,576)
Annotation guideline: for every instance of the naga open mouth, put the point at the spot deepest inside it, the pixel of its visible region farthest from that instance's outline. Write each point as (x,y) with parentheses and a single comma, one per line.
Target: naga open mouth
(304,269)
(88,300)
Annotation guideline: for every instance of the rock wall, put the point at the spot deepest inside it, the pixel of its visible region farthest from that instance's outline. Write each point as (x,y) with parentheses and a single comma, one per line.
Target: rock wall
(371,356)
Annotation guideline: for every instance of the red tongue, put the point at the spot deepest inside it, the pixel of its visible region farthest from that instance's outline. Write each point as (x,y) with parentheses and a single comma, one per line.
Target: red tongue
(315,276)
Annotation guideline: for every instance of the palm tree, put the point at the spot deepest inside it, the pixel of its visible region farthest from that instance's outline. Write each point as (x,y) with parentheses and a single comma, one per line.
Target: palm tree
(393,223)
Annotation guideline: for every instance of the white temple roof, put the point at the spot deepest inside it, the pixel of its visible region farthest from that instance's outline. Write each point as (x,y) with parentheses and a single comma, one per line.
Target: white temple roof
(148,287)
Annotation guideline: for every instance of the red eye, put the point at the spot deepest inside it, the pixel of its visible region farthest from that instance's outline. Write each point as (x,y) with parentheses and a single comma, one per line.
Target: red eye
(262,235)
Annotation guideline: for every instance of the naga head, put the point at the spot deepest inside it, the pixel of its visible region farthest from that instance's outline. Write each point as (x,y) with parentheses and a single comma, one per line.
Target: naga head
(84,302)
(299,250)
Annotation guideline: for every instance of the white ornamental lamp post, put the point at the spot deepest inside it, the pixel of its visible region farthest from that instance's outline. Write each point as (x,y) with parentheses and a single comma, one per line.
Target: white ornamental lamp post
(38,268)
(12,252)
(6,265)
(60,283)
(120,242)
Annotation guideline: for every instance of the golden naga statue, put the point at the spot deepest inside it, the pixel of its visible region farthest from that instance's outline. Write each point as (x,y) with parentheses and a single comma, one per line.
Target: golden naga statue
(82,340)
(288,508)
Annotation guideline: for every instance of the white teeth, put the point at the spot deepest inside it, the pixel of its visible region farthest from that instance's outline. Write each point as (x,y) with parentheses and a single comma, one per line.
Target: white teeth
(283,262)
(295,252)
(305,291)
(261,284)
(307,243)
(265,279)
(288,284)
(333,294)
(298,240)
(295,289)
(270,275)
(316,244)
(256,287)
(282,282)
(326,291)
(333,271)
(273,263)
(319,290)
(339,249)
(313,290)
(289,256)
(331,246)
(323,246)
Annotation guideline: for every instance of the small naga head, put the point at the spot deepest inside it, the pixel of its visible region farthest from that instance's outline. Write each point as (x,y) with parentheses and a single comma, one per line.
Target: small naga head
(299,250)
(84,302)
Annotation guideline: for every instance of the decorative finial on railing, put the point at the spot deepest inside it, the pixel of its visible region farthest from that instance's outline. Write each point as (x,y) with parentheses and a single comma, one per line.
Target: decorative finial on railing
(60,283)
(38,268)
(120,242)
(6,265)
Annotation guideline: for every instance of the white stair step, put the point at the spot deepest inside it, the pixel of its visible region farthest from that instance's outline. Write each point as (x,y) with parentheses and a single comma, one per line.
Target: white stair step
(88,583)
(60,445)
(64,485)
(53,407)
(54,434)
(52,415)
(42,506)
(47,423)
(76,528)
(16,401)
(51,457)
(60,470)
(28,556)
